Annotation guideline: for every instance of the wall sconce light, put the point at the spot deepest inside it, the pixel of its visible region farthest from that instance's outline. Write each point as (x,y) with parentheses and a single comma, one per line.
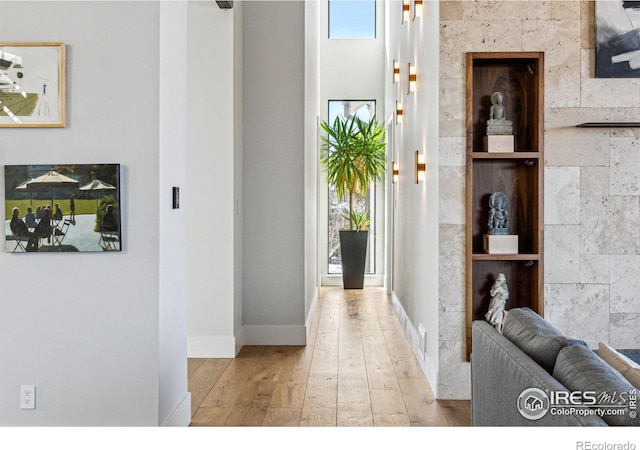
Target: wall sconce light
(406,11)
(421,167)
(412,79)
(417,9)
(399,112)
(396,172)
(396,71)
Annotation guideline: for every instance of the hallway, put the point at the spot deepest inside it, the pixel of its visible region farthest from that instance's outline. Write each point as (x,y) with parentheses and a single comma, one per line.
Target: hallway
(357,370)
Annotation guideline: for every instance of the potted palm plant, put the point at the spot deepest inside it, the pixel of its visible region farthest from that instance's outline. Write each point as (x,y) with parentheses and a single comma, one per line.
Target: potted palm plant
(354,156)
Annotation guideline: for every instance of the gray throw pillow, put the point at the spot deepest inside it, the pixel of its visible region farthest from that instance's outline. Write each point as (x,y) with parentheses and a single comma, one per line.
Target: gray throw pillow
(536,337)
(580,369)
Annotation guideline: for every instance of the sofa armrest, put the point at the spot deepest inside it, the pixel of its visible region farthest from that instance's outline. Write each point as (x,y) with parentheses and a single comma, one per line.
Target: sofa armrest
(500,372)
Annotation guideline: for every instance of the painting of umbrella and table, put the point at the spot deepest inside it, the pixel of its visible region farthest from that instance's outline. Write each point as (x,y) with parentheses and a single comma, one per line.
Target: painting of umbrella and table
(62,208)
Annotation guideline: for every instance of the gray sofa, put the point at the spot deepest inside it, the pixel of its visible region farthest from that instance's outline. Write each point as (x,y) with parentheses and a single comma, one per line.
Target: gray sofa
(514,372)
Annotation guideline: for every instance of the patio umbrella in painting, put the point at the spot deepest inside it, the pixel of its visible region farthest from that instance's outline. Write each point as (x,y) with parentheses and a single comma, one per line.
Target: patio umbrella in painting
(98,186)
(23,187)
(48,182)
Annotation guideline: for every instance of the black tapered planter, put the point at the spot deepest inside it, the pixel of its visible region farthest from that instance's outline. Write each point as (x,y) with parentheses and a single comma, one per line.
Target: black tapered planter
(353,247)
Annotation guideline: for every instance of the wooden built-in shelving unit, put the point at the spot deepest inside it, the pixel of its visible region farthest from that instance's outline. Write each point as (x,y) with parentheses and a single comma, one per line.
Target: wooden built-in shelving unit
(519,174)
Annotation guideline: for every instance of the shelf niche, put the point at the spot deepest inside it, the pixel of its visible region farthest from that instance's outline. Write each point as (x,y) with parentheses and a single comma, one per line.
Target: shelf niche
(519,174)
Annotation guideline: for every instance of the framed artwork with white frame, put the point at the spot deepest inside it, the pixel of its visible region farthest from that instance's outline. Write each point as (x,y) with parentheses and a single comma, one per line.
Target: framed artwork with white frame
(32,84)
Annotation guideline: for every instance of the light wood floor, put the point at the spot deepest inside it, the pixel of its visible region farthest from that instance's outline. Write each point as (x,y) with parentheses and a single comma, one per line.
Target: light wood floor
(357,370)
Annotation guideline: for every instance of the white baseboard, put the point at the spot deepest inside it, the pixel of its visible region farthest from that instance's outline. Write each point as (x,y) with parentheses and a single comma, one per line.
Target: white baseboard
(312,311)
(207,346)
(181,415)
(275,335)
(426,364)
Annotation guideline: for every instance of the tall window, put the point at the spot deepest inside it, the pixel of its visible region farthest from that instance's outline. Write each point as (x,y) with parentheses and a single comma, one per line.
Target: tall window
(350,19)
(364,110)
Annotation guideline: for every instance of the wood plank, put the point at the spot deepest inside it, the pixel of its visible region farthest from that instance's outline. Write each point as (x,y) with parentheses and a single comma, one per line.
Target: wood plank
(457,412)
(251,407)
(354,415)
(193,364)
(387,401)
(318,416)
(282,417)
(340,378)
(203,380)
(391,420)
(290,392)
(210,417)
(353,390)
(421,404)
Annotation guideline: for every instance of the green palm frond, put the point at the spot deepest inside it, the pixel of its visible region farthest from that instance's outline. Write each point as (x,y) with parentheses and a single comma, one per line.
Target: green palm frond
(354,156)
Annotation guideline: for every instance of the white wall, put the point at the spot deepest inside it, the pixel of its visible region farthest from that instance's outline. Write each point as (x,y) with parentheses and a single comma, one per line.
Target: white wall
(238,118)
(211,165)
(175,402)
(416,213)
(273,175)
(312,112)
(84,328)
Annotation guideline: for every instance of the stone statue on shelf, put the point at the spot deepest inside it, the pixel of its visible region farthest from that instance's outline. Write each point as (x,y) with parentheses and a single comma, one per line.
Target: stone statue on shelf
(498,215)
(498,123)
(499,296)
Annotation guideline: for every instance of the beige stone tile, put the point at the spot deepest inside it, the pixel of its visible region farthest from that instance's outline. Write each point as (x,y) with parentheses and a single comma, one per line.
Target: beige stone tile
(452,195)
(625,166)
(594,269)
(450,10)
(624,331)
(610,225)
(580,311)
(560,41)
(594,181)
(570,117)
(452,268)
(576,147)
(452,107)
(562,254)
(453,152)
(587,24)
(563,10)
(625,284)
(562,195)
(516,10)
(455,372)
(452,325)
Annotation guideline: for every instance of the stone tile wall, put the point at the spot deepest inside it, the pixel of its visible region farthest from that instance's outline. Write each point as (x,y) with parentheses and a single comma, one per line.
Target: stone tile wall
(592,176)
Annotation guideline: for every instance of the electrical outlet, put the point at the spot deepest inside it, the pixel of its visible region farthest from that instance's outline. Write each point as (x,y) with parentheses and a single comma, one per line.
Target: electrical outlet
(27,396)
(422,340)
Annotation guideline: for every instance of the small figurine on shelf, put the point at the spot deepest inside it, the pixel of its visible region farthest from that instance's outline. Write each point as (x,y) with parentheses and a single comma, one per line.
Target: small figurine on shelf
(499,138)
(498,240)
(498,216)
(498,123)
(499,296)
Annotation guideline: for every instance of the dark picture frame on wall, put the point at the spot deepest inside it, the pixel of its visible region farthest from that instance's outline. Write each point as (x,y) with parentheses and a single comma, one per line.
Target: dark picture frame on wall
(32,84)
(617,39)
(62,208)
